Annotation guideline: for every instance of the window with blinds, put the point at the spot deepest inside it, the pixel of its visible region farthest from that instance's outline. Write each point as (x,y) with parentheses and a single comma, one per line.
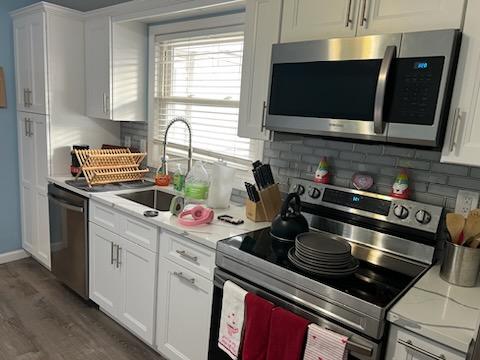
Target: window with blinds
(199,78)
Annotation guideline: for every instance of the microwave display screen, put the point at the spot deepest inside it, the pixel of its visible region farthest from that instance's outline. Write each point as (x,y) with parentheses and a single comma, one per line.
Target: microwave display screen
(420,65)
(325,89)
(356,201)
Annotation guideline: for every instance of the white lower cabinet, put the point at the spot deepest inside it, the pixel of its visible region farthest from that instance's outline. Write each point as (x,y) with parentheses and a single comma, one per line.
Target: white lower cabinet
(123,281)
(406,345)
(184,309)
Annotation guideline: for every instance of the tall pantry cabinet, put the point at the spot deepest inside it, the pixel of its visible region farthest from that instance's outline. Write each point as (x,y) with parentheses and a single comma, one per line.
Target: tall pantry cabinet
(50,99)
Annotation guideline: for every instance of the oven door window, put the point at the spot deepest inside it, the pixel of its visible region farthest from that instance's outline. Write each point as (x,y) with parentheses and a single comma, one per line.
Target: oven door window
(325,89)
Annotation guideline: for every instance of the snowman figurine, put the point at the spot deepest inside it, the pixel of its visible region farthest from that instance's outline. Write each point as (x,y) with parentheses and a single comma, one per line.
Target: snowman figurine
(322,175)
(400,187)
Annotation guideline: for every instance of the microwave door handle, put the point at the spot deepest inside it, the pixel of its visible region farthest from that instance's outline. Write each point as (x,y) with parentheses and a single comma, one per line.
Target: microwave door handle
(385,67)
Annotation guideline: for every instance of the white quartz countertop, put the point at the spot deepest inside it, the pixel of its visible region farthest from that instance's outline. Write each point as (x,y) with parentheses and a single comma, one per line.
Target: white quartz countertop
(207,235)
(437,310)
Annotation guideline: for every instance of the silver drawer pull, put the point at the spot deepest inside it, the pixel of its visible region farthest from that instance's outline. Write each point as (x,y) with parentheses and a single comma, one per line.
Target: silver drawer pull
(186,255)
(181,276)
(409,344)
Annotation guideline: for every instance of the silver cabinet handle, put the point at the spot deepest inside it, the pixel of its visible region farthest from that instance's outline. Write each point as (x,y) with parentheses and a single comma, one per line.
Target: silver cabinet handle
(264,111)
(104,109)
(107,104)
(385,67)
(348,20)
(181,276)
(409,344)
(25,123)
(455,126)
(364,19)
(119,249)
(114,253)
(30,122)
(186,255)
(29,97)
(25,97)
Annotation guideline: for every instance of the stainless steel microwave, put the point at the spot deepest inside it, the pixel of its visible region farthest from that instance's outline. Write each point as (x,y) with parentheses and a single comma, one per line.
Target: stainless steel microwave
(388,88)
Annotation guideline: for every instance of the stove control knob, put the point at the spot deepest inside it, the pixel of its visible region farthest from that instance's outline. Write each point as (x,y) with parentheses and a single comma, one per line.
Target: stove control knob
(423,217)
(314,193)
(400,211)
(299,189)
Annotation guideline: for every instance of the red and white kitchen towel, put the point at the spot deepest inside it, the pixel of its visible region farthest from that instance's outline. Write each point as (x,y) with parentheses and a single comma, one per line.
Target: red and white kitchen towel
(323,344)
(231,321)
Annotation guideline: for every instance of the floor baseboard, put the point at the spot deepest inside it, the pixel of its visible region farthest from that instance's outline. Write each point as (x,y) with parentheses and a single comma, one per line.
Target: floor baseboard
(13,256)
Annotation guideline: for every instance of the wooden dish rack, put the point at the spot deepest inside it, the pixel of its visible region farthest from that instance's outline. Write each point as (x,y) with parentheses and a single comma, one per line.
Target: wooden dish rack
(104,166)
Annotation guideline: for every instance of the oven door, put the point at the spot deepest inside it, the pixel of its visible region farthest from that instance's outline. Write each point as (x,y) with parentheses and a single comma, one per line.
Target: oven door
(334,87)
(359,347)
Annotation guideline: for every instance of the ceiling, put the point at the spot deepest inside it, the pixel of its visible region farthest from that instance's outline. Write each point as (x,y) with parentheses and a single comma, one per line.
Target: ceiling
(86,5)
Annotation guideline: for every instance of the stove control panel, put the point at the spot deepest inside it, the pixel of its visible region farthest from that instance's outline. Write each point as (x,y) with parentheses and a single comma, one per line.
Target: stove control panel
(376,206)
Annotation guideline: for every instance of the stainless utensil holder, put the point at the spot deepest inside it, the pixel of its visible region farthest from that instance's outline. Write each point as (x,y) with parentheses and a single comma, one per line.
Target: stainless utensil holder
(460,265)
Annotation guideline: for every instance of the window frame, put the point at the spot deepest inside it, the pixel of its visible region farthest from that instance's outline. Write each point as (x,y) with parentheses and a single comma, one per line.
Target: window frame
(212,25)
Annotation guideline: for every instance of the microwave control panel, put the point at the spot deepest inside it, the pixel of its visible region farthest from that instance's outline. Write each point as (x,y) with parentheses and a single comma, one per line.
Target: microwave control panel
(416,83)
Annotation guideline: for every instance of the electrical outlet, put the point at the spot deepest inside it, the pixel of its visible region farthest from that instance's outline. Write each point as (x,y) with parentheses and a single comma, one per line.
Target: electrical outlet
(143,146)
(127,141)
(466,201)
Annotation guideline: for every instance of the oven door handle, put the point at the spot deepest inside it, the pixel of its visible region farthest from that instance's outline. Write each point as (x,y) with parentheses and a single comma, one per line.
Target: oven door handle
(380,94)
(221,277)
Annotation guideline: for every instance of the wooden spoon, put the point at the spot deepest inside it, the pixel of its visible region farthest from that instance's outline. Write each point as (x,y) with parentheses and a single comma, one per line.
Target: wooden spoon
(472,226)
(455,224)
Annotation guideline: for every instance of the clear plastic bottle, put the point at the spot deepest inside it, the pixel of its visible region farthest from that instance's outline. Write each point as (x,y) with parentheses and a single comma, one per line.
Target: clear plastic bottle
(197,184)
(179,178)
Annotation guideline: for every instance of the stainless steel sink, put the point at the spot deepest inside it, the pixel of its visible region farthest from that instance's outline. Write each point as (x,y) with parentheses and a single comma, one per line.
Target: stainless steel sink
(152,198)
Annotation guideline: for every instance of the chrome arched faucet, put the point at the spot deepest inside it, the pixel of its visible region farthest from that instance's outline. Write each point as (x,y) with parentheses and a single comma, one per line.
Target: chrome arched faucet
(190,151)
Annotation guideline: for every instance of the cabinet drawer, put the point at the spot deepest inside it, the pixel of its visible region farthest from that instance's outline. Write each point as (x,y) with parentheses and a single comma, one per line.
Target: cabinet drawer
(404,344)
(139,232)
(103,216)
(185,252)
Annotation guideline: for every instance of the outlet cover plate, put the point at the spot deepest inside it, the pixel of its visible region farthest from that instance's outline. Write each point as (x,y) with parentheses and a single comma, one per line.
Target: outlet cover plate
(466,201)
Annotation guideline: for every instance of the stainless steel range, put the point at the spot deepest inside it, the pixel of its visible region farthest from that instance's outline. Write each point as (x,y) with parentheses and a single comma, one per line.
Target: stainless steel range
(395,241)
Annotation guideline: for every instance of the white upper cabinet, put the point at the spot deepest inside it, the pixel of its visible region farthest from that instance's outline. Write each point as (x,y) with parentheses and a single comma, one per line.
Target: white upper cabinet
(116,66)
(97,66)
(262,30)
(462,139)
(391,16)
(318,19)
(30,58)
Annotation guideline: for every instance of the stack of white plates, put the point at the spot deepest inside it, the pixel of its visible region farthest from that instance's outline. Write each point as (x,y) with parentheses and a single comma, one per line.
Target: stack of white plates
(323,255)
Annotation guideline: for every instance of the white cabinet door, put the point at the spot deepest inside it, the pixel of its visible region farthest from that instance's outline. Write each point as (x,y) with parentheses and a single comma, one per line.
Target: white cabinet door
(22,59)
(406,345)
(262,29)
(462,139)
(138,267)
(27,181)
(105,276)
(318,19)
(184,309)
(391,16)
(37,97)
(97,66)
(30,58)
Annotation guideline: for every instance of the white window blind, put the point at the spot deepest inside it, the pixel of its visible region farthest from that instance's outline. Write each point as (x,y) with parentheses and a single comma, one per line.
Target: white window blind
(199,78)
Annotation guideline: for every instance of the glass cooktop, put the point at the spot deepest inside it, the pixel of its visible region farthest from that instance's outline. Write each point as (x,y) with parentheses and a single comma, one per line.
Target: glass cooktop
(371,283)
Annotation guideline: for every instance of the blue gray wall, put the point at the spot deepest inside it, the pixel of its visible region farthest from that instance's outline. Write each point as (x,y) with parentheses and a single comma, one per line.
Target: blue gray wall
(10,237)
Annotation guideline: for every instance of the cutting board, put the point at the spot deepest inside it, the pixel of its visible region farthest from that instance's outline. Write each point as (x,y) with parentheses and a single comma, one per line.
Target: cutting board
(3,96)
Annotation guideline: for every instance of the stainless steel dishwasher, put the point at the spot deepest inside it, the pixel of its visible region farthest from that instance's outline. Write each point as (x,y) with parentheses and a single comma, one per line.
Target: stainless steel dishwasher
(69,238)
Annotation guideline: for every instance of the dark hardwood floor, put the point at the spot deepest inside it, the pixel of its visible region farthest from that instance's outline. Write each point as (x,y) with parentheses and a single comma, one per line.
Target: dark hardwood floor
(42,320)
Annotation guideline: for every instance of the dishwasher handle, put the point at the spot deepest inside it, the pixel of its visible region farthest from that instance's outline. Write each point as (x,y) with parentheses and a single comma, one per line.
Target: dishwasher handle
(65,204)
